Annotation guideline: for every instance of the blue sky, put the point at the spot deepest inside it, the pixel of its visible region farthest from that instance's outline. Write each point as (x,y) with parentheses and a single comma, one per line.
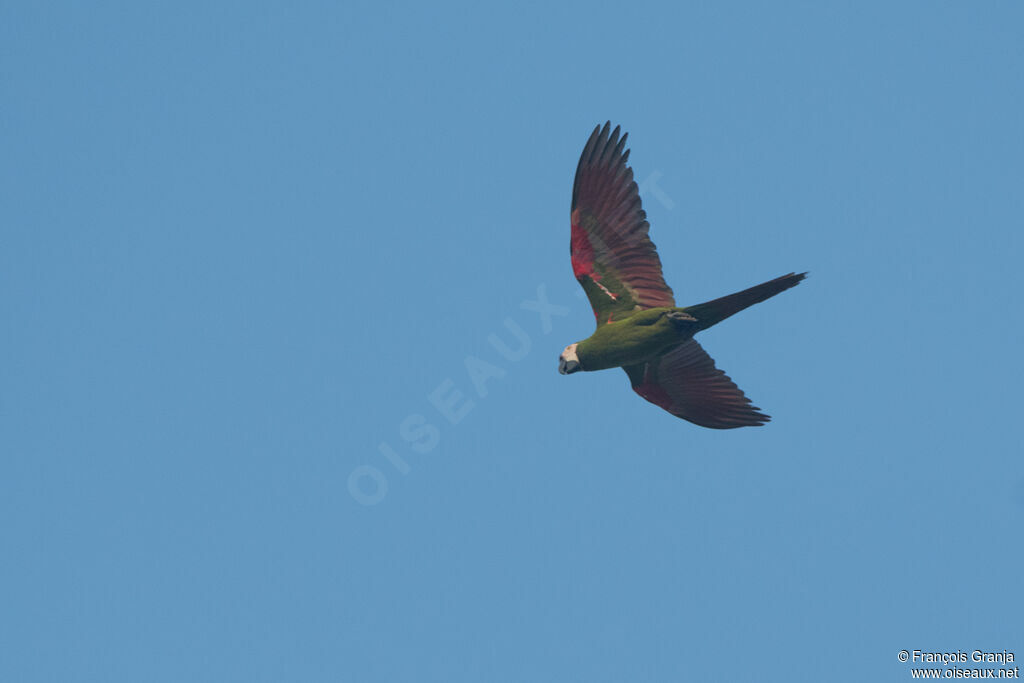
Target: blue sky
(243,244)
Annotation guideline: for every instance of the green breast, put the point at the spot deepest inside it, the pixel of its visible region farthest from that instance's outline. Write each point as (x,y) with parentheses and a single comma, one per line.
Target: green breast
(636,339)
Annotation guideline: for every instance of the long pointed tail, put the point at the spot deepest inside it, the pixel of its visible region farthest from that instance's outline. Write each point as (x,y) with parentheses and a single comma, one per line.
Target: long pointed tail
(714,312)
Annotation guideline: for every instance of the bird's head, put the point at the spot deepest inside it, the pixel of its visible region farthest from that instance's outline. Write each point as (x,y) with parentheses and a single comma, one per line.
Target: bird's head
(568,362)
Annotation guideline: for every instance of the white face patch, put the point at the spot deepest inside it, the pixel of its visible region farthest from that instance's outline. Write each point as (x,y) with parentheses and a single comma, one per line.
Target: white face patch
(568,363)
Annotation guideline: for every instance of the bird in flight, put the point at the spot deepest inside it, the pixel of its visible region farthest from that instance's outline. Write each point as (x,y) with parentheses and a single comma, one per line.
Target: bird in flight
(639,327)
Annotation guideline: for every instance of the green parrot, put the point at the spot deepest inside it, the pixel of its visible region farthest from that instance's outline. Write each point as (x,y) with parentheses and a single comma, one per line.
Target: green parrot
(639,327)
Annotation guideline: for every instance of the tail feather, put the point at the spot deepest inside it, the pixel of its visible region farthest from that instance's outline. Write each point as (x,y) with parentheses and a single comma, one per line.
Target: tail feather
(714,312)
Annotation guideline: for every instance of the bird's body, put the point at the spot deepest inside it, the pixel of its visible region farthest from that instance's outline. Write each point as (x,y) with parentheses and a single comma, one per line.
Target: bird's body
(639,327)
(637,338)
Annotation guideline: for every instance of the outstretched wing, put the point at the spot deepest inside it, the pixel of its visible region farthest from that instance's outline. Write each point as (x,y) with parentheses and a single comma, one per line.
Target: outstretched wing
(612,256)
(685,382)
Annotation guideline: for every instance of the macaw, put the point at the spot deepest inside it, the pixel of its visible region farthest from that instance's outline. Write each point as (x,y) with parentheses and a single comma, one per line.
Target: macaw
(639,327)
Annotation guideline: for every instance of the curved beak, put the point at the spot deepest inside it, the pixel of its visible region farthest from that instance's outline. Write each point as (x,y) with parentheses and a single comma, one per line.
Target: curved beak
(567,367)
